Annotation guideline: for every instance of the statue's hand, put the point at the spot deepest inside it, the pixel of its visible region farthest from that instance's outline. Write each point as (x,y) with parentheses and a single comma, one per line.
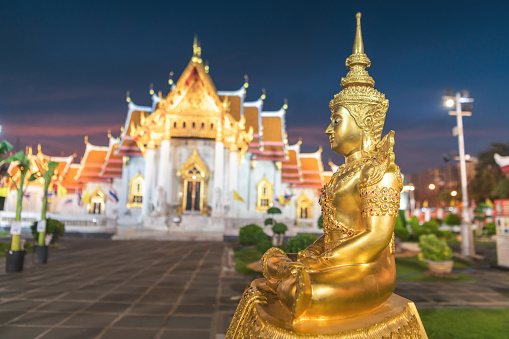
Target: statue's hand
(307,253)
(295,267)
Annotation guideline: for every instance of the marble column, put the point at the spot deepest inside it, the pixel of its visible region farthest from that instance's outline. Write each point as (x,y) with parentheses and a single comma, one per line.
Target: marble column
(232,179)
(163,174)
(148,177)
(218,179)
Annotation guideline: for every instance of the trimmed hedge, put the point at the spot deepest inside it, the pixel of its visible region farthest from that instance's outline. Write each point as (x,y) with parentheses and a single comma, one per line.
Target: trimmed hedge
(300,242)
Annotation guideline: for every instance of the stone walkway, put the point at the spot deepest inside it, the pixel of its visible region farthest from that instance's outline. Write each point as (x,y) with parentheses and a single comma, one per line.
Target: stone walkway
(94,288)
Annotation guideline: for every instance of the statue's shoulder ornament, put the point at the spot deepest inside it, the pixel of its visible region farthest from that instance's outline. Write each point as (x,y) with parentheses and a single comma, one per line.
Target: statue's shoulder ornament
(380,162)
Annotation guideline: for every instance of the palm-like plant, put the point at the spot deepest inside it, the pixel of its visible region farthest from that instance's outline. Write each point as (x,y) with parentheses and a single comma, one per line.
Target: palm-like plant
(23,164)
(46,172)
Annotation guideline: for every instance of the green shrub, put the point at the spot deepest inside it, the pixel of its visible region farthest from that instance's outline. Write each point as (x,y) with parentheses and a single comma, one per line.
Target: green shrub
(401,214)
(430,227)
(264,242)
(300,242)
(433,248)
(417,231)
(253,234)
(269,221)
(54,227)
(437,220)
(320,222)
(452,219)
(413,221)
(492,229)
(248,234)
(400,230)
(444,234)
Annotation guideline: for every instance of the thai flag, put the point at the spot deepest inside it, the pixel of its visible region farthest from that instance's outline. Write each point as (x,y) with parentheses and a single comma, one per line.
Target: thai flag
(113,197)
(27,195)
(288,198)
(80,201)
(68,202)
(277,202)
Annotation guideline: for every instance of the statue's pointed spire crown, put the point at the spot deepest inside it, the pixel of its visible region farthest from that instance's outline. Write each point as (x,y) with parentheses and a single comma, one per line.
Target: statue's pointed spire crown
(359,96)
(358,62)
(358,45)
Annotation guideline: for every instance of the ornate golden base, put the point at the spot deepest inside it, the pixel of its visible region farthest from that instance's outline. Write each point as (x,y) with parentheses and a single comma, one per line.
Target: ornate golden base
(259,315)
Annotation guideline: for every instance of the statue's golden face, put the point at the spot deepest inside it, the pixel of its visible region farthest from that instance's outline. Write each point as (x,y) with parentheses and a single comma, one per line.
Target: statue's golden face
(344,134)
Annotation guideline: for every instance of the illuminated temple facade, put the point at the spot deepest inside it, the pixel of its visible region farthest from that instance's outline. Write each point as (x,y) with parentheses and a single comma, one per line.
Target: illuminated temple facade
(206,156)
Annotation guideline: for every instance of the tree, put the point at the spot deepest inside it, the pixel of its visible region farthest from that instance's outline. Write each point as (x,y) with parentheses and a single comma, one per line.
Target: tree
(279,229)
(22,163)
(46,171)
(489,180)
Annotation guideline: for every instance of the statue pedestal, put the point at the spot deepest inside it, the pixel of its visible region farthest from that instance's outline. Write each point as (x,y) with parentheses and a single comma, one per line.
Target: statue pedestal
(261,315)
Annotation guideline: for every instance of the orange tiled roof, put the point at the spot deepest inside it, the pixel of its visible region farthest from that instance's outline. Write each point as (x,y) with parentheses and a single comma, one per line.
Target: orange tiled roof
(311,169)
(91,164)
(69,181)
(290,171)
(272,139)
(112,167)
(234,104)
(127,146)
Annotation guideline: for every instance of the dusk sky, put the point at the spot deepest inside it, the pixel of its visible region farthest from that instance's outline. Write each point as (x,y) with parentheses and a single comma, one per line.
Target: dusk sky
(65,66)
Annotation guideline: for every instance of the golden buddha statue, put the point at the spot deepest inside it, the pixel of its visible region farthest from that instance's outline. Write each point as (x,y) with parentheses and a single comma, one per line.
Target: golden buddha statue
(342,285)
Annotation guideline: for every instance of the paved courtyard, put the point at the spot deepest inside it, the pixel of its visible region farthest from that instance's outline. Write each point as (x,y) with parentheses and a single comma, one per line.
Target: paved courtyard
(97,288)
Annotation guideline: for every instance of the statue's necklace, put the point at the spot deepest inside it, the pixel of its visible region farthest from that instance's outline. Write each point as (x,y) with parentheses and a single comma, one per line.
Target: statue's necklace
(346,171)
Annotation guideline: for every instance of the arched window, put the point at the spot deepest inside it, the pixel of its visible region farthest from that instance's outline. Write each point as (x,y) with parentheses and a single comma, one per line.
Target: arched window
(136,187)
(174,124)
(211,126)
(184,124)
(202,125)
(264,195)
(194,125)
(304,207)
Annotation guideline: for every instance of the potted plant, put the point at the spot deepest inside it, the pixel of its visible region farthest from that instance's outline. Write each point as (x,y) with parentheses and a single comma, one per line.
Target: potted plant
(15,257)
(436,253)
(46,171)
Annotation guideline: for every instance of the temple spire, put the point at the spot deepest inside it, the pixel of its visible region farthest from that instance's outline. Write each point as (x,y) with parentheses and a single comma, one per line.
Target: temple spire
(358,45)
(196,50)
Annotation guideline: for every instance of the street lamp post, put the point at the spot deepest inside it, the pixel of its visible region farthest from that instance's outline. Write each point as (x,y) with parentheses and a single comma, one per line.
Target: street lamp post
(467,242)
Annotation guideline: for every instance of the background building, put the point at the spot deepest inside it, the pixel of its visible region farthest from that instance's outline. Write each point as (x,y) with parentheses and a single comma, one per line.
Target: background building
(208,157)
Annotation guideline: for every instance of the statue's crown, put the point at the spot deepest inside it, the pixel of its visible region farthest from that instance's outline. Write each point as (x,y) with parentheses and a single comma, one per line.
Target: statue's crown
(365,104)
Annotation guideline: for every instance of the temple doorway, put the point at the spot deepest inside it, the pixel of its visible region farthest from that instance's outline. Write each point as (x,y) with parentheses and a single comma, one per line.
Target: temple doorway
(193,194)
(193,178)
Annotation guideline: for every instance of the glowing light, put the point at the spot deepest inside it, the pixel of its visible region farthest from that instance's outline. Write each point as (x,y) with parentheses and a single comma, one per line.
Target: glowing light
(454,193)
(449,103)
(194,177)
(432,186)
